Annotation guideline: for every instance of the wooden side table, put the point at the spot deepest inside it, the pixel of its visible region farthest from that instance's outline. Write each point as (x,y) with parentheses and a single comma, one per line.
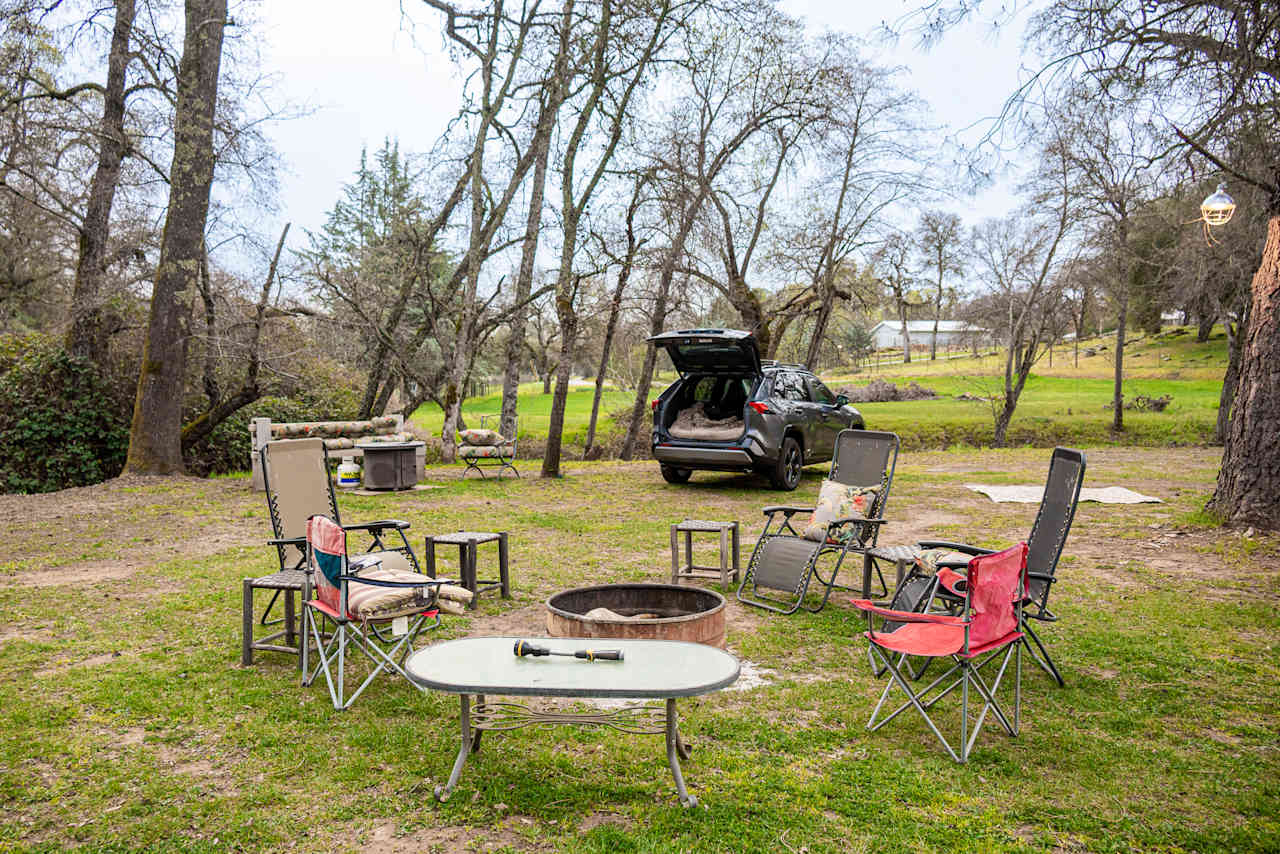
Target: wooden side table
(902,557)
(466,541)
(728,532)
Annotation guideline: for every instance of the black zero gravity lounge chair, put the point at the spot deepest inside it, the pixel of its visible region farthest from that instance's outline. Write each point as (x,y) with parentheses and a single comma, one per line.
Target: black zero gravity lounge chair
(1048,535)
(786,559)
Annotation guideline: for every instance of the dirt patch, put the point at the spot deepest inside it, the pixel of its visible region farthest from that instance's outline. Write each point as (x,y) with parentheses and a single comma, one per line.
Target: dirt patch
(383,839)
(529,620)
(93,661)
(599,819)
(106,532)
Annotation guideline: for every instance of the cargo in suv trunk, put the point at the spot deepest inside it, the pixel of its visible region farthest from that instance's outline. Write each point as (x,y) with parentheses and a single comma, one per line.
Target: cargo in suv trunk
(710,409)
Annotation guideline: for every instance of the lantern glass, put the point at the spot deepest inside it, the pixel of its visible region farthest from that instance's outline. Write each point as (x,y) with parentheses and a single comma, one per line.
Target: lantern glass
(1218,208)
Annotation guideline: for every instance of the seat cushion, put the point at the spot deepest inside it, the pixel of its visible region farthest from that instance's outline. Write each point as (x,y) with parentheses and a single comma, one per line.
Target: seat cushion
(372,602)
(480,436)
(485,451)
(928,639)
(838,501)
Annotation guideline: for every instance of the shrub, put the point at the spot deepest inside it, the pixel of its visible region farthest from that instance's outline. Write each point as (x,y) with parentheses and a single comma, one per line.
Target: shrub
(323,393)
(881,391)
(62,423)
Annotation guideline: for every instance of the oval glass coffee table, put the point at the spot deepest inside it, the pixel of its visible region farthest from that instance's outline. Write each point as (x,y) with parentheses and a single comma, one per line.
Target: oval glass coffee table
(651,670)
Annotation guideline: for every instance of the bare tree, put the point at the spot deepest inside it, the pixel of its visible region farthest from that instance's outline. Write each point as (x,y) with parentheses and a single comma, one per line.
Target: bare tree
(732,92)
(621,53)
(1019,259)
(938,244)
(1210,72)
(892,263)
(625,263)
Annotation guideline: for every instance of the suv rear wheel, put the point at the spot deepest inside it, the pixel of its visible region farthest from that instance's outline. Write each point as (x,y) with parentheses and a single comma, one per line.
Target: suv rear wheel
(786,472)
(671,474)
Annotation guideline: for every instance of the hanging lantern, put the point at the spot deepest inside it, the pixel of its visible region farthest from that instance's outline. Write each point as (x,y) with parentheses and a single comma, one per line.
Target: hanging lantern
(1217,208)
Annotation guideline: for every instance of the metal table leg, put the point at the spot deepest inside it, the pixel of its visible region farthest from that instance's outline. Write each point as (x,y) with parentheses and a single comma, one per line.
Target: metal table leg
(674,752)
(442,792)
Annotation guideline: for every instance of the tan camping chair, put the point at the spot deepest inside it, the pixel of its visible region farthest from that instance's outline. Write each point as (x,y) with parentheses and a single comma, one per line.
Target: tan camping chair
(296,475)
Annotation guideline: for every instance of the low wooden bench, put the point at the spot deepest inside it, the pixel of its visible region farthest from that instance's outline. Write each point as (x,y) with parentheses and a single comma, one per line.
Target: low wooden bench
(341,438)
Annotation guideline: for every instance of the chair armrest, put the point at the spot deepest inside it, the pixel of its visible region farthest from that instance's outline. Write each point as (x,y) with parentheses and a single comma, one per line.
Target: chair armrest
(849,520)
(1041,576)
(906,616)
(964,548)
(787,510)
(381,582)
(291,541)
(381,525)
(363,562)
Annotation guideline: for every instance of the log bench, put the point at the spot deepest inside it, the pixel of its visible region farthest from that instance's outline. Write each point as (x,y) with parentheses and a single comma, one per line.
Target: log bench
(341,438)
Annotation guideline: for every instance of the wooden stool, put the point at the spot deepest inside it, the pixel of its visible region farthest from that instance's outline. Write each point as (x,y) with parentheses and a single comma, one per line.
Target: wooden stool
(728,540)
(286,582)
(466,541)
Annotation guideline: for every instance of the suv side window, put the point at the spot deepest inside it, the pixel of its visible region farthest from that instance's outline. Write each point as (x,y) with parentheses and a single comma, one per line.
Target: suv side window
(789,386)
(820,393)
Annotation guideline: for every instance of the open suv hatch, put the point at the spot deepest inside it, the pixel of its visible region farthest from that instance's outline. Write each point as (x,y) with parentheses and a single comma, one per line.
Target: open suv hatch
(730,411)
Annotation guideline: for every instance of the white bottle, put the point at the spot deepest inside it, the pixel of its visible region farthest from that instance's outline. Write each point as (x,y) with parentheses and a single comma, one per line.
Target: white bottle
(348,473)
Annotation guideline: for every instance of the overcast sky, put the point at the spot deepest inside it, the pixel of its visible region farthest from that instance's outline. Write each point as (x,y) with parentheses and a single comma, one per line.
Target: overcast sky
(368,78)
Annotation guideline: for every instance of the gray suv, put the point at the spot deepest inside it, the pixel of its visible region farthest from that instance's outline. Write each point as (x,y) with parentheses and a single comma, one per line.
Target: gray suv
(729,411)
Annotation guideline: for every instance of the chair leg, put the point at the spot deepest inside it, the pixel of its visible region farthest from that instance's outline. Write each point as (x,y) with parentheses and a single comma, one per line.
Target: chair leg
(246,624)
(675,556)
(504,575)
(1043,659)
(914,700)
(290,628)
(724,558)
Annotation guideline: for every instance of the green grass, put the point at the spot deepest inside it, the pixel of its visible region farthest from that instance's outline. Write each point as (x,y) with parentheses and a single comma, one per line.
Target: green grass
(126,722)
(1062,403)
(535,411)
(1052,410)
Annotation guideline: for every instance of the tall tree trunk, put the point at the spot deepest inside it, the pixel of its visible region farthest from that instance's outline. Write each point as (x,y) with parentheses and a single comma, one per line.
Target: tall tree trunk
(1117,397)
(827,298)
(87,336)
(906,333)
(155,436)
(655,328)
(937,313)
(568,318)
(1204,326)
(524,286)
(1248,490)
(610,328)
(1235,350)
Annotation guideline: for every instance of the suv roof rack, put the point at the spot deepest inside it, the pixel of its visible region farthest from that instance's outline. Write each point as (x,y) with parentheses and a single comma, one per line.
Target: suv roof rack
(774,363)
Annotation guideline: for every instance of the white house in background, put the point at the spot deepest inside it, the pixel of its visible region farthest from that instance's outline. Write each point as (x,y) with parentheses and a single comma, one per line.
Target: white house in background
(951,333)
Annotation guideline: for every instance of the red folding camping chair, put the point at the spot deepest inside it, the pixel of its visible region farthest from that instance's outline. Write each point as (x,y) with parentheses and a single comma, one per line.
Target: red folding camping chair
(987,630)
(379,612)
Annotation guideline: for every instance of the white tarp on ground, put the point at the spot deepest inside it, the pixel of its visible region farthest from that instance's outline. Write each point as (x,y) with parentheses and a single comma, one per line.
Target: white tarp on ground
(1032,494)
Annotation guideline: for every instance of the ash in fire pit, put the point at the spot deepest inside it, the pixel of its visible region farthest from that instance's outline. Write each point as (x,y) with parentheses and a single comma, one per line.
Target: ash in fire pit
(652,611)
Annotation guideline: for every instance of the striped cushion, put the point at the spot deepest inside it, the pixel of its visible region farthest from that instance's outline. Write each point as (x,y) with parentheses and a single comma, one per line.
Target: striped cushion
(371,602)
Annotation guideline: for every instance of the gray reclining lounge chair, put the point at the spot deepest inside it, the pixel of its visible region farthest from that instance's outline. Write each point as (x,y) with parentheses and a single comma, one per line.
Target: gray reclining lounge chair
(784,560)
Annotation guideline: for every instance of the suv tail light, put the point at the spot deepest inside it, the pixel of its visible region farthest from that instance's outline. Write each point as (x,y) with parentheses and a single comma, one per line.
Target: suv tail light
(762,408)
(653,405)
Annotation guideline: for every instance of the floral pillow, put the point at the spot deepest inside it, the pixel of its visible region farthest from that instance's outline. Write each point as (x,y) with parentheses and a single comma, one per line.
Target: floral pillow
(837,501)
(479,436)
